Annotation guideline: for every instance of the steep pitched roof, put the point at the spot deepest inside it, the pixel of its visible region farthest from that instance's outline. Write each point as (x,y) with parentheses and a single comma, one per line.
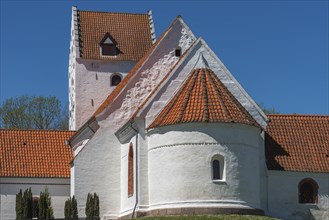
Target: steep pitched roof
(298,143)
(131,74)
(35,153)
(132,33)
(203,98)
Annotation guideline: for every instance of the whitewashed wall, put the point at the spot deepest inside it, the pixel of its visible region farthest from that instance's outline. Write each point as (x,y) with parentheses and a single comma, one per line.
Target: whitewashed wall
(283,195)
(180,166)
(93,84)
(59,190)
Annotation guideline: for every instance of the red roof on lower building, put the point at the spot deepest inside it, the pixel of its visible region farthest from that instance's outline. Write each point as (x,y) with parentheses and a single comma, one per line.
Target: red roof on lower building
(298,143)
(35,153)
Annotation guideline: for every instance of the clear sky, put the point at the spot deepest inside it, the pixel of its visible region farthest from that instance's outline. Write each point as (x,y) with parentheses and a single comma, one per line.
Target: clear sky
(277,50)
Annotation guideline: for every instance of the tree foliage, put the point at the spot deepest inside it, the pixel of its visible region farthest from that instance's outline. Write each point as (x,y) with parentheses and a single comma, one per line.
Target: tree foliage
(45,208)
(31,112)
(24,204)
(266,110)
(92,206)
(71,208)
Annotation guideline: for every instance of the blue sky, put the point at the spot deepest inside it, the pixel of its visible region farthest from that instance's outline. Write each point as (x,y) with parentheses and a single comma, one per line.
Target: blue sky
(277,50)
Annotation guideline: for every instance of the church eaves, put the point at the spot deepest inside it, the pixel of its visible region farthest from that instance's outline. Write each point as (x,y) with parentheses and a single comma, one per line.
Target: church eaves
(203,98)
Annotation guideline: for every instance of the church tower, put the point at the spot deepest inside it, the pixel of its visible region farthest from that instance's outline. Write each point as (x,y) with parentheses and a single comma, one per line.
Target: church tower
(104,47)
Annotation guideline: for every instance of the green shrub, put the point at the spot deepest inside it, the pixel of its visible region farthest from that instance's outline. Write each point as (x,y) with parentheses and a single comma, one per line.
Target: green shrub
(45,208)
(92,206)
(24,204)
(71,208)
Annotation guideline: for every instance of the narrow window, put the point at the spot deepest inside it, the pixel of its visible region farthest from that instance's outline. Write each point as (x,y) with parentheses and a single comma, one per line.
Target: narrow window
(216,170)
(131,171)
(35,207)
(308,191)
(115,80)
(92,102)
(178,52)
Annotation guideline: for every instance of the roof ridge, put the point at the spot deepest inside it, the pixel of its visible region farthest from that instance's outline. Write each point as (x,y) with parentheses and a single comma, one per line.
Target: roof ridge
(108,12)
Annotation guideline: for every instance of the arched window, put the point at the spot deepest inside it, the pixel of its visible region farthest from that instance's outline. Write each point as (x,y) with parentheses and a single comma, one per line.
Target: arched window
(217,167)
(131,171)
(115,79)
(308,191)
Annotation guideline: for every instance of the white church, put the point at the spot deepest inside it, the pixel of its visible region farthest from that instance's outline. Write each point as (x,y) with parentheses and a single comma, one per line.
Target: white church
(163,128)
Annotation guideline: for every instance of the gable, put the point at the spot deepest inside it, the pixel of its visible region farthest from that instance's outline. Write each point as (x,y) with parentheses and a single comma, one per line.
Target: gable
(146,75)
(35,153)
(297,143)
(178,76)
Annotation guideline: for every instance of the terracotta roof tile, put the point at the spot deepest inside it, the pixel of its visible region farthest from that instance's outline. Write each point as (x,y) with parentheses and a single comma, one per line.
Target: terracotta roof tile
(298,143)
(35,153)
(131,32)
(203,98)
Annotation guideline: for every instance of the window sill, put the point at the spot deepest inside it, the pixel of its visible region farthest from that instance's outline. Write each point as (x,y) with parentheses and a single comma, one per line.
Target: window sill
(218,181)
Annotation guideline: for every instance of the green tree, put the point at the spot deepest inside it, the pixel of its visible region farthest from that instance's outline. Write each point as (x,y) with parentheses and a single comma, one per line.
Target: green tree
(31,112)
(45,208)
(92,206)
(19,205)
(27,203)
(71,208)
(24,204)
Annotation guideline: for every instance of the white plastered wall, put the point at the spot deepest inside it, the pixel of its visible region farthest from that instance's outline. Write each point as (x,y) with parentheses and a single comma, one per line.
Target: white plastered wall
(93,85)
(283,195)
(58,188)
(180,166)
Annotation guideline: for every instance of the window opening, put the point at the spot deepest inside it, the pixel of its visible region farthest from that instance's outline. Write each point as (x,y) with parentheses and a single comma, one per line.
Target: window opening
(108,46)
(178,52)
(115,80)
(216,170)
(131,171)
(308,191)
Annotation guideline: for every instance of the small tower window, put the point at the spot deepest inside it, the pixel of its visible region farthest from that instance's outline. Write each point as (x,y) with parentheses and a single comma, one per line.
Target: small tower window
(178,52)
(308,191)
(108,46)
(115,79)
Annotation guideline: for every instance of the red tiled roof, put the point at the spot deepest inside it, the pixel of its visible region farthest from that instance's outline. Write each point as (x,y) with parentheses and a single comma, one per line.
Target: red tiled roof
(131,32)
(298,143)
(35,153)
(203,98)
(130,75)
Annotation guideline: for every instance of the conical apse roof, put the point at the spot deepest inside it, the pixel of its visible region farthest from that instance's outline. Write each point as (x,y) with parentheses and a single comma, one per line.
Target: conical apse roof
(203,98)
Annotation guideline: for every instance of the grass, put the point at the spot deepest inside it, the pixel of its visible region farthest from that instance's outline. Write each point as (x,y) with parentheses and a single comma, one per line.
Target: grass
(212,217)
